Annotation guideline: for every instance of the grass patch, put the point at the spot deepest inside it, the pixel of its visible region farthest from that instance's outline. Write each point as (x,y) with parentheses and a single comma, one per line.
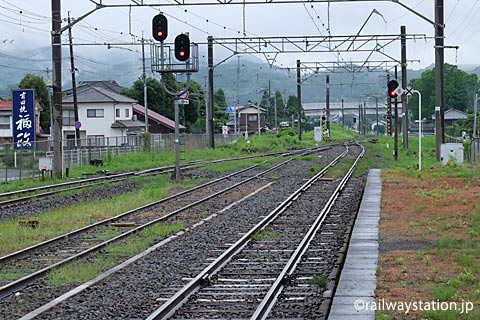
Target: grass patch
(264,235)
(85,270)
(63,220)
(320,281)
(444,293)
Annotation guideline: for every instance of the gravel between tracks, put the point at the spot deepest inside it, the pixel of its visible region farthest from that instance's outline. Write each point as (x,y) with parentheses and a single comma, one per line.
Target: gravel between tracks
(133,292)
(31,209)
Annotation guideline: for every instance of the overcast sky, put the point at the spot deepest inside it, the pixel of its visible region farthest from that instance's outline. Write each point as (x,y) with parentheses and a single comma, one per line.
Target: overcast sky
(26,24)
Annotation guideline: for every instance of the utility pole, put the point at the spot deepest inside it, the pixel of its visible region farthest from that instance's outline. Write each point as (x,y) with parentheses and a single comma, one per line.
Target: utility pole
(258,107)
(299,101)
(359,124)
(475,111)
(439,77)
(210,129)
(144,76)
(268,105)
(74,86)
(327,102)
(365,122)
(376,112)
(395,129)
(275,106)
(343,116)
(57,88)
(237,98)
(403,41)
(389,111)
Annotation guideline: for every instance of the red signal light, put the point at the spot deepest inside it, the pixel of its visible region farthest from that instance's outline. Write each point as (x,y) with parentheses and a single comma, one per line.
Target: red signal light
(159,27)
(392,85)
(182,47)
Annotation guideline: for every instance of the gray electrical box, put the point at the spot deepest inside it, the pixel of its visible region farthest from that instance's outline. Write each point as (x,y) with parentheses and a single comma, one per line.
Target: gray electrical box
(451,152)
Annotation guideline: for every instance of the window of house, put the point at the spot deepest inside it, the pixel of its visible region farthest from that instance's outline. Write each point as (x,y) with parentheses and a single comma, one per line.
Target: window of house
(68,117)
(117,113)
(252,117)
(94,113)
(4,122)
(127,113)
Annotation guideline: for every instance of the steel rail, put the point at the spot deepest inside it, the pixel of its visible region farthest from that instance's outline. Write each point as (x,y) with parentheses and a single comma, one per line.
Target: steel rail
(121,176)
(24,281)
(178,299)
(270,298)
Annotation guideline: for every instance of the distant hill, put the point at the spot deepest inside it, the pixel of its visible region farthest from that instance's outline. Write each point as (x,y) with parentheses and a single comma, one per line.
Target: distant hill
(254,76)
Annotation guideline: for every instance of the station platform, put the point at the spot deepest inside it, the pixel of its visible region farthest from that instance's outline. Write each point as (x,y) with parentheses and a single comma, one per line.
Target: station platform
(355,293)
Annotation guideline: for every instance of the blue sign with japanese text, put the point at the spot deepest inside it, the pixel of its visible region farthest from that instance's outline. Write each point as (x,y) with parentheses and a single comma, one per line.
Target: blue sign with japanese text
(23,110)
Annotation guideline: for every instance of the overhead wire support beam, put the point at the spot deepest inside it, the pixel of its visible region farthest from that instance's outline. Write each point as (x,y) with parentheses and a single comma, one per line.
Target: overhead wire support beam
(295,44)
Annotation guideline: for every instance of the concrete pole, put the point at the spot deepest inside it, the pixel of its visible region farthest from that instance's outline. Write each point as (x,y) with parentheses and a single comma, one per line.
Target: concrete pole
(404,86)
(144,76)
(178,174)
(327,102)
(395,126)
(57,88)
(210,114)
(343,116)
(74,85)
(475,110)
(299,101)
(376,112)
(439,77)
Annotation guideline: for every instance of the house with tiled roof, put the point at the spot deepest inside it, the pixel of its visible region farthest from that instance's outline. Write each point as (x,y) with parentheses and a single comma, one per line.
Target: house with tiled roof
(102,113)
(156,122)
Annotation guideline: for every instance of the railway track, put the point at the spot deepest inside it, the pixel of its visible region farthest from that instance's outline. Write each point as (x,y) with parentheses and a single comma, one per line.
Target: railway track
(12,198)
(37,260)
(247,279)
(135,288)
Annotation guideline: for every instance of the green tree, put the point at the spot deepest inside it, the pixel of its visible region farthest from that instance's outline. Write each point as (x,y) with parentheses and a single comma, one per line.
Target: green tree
(291,108)
(31,81)
(220,106)
(459,89)
(157,98)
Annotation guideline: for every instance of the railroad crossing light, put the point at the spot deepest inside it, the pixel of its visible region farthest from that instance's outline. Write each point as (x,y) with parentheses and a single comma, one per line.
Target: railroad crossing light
(182,47)
(159,27)
(391,86)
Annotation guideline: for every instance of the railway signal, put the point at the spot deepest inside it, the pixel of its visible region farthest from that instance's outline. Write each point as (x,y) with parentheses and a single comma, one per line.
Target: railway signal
(182,47)
(159,27)
(391,87)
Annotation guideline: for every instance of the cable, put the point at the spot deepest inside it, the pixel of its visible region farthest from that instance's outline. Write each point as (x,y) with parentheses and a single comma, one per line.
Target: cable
(451,12)
(311,18)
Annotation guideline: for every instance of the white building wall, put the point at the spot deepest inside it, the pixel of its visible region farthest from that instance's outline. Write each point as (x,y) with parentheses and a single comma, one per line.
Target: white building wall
(100,126)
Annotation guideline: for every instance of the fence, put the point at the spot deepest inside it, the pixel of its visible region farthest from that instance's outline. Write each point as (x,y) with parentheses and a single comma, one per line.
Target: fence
(15,165)
(475,150)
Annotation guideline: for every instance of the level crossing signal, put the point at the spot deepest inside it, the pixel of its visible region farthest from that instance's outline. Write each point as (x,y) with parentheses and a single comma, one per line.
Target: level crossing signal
(391,86)
(182,47)
(159,27)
